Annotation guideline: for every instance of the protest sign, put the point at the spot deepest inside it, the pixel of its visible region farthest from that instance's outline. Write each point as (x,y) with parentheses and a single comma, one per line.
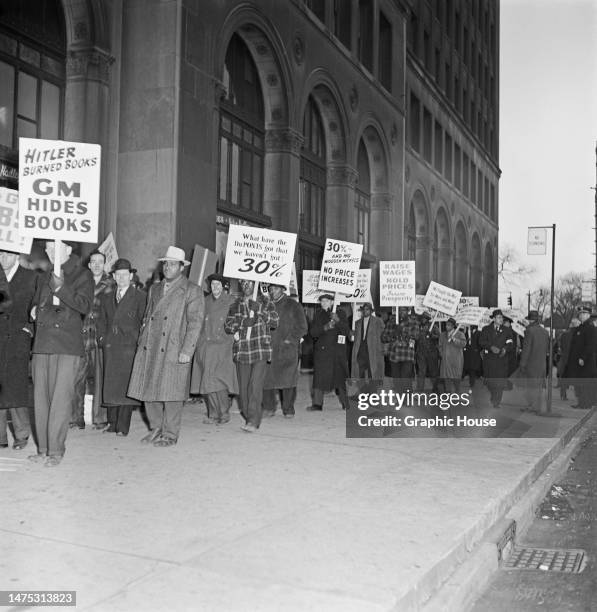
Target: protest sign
(466,301)
(59,187)
(340,266)
(202,265)
(442,298)
(471,315)
(396,283)
(420,308)
(259,254)
(362,292)
(310,291)
(10,237)
(108,248)
(519,320)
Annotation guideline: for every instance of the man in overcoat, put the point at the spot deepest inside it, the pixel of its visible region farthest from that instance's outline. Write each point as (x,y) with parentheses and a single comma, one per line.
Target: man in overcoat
(564,354)
(59,305)
(532,361)
(367,350)
(427,353)
(162,366)
(118,325)
(496,342)
(329,331)
(250,323)
(282,373)
(16,332)
(581,367)
(91,370)
(214,372)
(451,346)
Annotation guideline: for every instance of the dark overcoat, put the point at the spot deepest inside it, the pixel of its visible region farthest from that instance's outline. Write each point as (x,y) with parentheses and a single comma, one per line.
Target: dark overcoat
(330,362)
(118,325)
(286,338)
(472,354)
(16,332)
(213,367)
(534,351)
(582,347)
(59,329)
(374,346)
(171,326)
(565,342)
(496,365)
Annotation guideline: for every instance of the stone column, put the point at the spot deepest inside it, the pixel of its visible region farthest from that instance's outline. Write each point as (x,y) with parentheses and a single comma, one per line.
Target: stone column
(444,267)
(281,177)
(340,199)
(381,239)
(86,108)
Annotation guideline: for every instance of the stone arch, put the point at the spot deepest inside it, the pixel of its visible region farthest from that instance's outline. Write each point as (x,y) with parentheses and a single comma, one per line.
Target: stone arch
(461,262)
(476,266)
(488,276)
(442,248)
(380,201)
(419,218)
(267,52)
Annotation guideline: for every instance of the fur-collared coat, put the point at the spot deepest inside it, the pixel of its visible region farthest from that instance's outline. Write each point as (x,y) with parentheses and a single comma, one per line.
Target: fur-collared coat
(286,338)
(171,326)
(213,367)
(118,326)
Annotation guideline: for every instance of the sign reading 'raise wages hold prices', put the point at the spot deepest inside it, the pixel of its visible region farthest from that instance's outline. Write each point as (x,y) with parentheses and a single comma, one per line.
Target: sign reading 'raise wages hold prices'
(10,237)
(259,254)
(340,266)
(59,189)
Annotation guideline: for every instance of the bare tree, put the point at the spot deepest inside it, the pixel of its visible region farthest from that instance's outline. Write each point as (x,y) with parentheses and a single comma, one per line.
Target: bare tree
(567,297)
(510,270)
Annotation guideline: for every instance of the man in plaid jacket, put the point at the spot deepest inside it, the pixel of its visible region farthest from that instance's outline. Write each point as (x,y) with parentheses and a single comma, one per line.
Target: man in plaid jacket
(250,322)
(402,340)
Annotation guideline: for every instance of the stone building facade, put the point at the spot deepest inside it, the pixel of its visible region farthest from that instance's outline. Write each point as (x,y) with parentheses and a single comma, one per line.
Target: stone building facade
(290,114)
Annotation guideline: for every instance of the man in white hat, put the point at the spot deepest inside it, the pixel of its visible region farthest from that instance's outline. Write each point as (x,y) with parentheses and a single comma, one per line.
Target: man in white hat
(162,366)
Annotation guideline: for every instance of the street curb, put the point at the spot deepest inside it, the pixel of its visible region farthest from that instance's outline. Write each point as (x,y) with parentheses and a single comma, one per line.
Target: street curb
(455,582)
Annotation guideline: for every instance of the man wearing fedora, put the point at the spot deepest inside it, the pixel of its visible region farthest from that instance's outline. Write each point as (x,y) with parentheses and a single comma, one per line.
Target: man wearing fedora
(532,361)
(367,351)
(59,305)
(120,319)
(282,374)
(496,342)
(427,353)
(250,323)
(214,373)
(581,367)
(329,331)
(162,365)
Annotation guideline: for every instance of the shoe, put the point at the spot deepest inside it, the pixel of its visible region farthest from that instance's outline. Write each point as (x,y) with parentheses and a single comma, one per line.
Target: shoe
(314,408)
(496,406)
(100,425)
(249,428)
(153,435)
(268,414)
(165,442)
(223,421)
(53,461)
(37,458)
(19,444)
(209,421)
(289,416)
(4,445)
(120,433)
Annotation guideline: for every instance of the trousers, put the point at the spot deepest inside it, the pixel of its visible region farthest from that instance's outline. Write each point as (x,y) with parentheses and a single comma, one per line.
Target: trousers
(165,417)
(288,395)
(21,427)
(250,390)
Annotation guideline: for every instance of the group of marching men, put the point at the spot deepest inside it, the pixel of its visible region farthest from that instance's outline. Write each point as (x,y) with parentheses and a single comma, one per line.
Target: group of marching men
(84,331)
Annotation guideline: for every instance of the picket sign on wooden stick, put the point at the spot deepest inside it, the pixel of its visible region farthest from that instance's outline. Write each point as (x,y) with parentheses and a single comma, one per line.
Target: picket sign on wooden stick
(255,290)
(335,305)
(433,320)
(57,265)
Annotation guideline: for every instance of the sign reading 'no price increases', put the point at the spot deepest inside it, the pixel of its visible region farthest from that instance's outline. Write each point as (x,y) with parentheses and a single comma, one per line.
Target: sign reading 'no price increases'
(340,266)
(258,254)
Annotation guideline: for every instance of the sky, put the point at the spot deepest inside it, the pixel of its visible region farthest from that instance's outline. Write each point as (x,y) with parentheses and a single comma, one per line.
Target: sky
(548,134)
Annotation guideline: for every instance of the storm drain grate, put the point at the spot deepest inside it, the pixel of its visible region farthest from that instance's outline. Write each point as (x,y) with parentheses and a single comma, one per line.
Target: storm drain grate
(546,559)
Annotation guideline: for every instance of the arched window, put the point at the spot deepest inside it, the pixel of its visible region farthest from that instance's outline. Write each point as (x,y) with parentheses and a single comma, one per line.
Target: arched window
(363,198)
(32,71)
(312,189)
(435,268)
(241,132)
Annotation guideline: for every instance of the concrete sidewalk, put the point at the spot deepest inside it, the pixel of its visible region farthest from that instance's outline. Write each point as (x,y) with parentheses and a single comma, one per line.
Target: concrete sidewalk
(295,517)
